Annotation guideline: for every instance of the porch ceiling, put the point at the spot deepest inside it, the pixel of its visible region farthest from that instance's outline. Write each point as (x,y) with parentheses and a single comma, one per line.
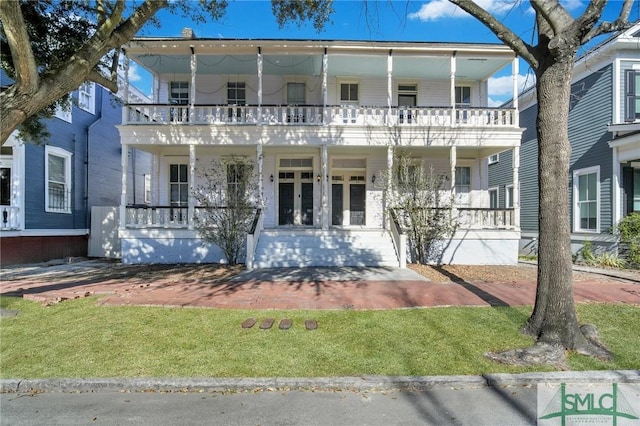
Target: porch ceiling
(404,67)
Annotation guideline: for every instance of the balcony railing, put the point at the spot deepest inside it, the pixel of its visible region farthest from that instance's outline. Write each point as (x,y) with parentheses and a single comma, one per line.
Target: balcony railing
(301,115)
(9,218)
(157,216)
(479,218)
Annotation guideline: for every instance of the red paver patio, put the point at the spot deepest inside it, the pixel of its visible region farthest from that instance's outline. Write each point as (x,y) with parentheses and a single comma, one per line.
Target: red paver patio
(315,294)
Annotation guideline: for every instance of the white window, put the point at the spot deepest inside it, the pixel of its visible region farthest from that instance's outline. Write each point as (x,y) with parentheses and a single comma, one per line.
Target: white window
(493,198)
(236,182)
(586,203)
(64,113)
(179,184)
(179,93)
(349,93)
(463,95)
(508,196)
(57,195)
(494,158)
(86,97)
(463,185)
(236,93)
(296,93)
(147,189)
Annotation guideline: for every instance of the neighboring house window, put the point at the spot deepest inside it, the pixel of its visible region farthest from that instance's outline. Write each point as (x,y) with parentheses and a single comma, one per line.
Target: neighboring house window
(632,95)
(236,182)
(585,190)
(463,95)
(57,180)
(463,185)
(493,198)
(494,158)
(86,97)
(179,184)
(508,196)
(64,113)
(147,189)
(349,93)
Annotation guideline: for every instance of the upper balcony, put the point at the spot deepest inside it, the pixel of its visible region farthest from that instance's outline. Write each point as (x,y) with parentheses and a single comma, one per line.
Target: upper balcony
(320,83)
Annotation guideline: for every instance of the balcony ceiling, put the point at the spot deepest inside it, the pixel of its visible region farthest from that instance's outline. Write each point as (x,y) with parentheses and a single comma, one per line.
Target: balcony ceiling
(375,66)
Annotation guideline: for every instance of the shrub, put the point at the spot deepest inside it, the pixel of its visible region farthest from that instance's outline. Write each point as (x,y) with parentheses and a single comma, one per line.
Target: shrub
(628,230)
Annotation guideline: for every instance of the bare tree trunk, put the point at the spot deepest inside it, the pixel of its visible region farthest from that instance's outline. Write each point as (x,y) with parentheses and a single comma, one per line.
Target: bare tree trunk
(554,319)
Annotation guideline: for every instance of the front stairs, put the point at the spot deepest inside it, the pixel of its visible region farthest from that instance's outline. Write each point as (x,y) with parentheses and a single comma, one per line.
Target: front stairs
(299,248)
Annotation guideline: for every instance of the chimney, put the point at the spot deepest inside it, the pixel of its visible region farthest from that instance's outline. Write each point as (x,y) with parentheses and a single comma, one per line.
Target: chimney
(188,33)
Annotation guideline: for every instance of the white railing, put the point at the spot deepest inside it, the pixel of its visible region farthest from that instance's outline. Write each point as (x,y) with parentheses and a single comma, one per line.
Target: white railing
(9,218)
(300,115)
(157,217)
(479,218)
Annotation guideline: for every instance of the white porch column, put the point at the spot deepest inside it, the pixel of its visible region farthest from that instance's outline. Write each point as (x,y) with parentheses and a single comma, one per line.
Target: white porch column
(192,94)
(260,102)
(191,202)
(452,164)
(516,186)
(125,70)
(452,94)
(124,160)
(388,184)
(617,211)
(390,82)
(259,157)
(324,211)
(515,71)
(325,63)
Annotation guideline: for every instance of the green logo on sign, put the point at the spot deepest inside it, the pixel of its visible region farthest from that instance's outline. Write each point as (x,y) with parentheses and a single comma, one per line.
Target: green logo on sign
(564,405)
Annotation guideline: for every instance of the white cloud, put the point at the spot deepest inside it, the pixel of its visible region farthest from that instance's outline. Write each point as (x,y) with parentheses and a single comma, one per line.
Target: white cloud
(134,73)
(501,88)
(437,9)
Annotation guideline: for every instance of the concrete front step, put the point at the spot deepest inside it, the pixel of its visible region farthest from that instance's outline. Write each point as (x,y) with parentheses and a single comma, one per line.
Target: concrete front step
(310,247)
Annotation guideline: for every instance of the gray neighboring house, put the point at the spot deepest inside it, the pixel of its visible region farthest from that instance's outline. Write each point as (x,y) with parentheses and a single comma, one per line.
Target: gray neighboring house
(604,131)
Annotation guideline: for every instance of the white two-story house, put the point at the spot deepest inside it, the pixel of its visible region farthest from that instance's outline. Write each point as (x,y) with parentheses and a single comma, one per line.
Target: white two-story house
(323,121)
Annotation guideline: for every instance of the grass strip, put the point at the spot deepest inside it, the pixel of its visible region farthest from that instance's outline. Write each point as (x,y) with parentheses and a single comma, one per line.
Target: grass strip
(77,338)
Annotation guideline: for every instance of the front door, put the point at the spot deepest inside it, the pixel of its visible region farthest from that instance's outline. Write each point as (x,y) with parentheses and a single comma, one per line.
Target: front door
(306,203)
(356,203)
(285,203)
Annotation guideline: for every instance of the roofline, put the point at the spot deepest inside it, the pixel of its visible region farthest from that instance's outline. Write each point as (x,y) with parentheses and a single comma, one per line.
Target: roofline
(363,44)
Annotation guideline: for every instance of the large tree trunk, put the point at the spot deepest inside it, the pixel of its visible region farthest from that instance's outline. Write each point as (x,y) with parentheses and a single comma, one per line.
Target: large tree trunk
(554,320)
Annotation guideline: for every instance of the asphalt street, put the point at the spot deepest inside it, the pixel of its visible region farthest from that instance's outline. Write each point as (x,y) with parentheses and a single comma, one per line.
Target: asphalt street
(511,405)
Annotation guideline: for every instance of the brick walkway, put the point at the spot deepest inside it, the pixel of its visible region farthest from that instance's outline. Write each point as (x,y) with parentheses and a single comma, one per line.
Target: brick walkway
(299,293)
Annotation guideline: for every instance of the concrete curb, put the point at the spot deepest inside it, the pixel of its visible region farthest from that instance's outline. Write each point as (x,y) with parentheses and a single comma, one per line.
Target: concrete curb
(364,383)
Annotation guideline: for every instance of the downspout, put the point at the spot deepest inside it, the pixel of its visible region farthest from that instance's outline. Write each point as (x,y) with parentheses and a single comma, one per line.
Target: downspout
(86,186)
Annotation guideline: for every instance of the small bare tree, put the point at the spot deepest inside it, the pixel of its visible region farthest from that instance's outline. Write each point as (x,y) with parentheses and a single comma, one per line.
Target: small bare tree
(424,207)
(228,199)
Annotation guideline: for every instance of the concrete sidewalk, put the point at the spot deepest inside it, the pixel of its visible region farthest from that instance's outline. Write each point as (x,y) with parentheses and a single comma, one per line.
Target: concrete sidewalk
(291,288)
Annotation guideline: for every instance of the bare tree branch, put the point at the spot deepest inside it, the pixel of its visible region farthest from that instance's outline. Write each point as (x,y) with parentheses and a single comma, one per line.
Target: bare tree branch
(500,30)
(554,14)
(24,62)
(621,23)
(96,77)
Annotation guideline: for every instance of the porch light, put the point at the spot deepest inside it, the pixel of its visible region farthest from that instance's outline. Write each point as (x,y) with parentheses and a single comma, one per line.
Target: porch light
(373,179)
(319,177)
(271,178)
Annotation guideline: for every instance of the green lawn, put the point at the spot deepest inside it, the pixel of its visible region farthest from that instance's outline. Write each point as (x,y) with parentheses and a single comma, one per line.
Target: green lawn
(79,339)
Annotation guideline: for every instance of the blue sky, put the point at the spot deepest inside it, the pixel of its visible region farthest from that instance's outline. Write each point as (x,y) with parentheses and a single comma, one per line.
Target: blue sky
(395,20)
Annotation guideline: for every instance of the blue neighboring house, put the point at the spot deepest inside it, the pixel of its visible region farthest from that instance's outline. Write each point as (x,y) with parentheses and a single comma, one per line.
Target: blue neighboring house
(48,188)
(604,131)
